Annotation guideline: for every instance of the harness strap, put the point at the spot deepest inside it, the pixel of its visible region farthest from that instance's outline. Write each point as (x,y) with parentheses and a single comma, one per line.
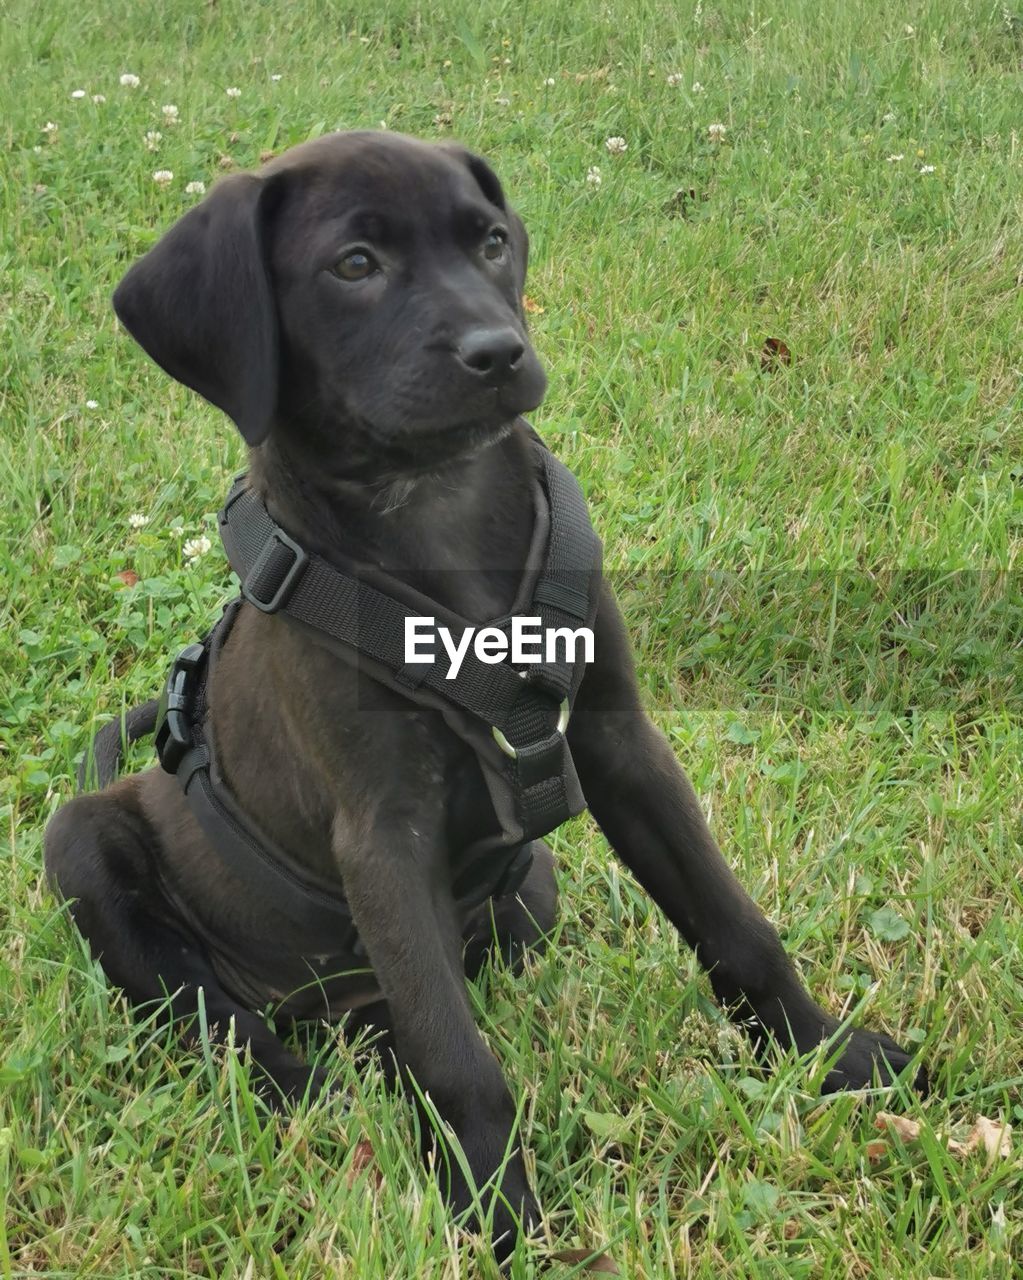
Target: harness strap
(278,576)
(514,720)
(186,749)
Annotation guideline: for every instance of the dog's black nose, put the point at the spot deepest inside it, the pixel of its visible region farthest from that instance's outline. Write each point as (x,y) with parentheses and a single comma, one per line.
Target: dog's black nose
(491,353)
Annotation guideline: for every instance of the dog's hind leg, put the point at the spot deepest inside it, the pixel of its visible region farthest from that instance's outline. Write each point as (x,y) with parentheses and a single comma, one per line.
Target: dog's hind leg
(99,852)
(518,922)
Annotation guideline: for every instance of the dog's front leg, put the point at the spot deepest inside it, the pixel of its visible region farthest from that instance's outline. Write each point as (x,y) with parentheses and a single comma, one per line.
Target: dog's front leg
(647,808)
(396,881)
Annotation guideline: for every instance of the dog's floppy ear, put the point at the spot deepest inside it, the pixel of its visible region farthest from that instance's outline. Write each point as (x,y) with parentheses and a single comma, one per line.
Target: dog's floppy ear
(201,303)
(520,244)
(490,185)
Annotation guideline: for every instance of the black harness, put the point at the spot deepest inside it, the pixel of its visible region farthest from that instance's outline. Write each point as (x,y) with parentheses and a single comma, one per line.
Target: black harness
(513,718)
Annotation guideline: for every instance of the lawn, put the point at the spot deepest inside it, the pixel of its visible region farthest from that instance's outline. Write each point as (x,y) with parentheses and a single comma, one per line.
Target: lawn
(785,363)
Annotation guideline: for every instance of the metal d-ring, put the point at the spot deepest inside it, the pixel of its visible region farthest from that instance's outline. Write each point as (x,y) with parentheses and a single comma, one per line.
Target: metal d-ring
(564,711)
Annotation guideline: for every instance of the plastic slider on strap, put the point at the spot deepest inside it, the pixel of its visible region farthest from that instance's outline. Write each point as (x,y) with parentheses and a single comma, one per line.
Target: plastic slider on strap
(564,711)
(174,715)
(276,572)
(564,598)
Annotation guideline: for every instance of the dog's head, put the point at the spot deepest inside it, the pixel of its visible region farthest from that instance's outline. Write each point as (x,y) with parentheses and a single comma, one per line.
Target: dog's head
(364,288)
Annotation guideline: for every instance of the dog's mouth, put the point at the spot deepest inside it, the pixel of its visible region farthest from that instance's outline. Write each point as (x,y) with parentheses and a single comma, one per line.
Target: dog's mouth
(403,430)
(422,449)
(422,444)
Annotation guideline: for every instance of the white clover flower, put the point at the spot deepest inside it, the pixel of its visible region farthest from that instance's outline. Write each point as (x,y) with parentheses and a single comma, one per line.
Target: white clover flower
(153,139)
(503,102)
(697,87)
(908,29)
(675,78)
(196,547)
(162,177)
(275,77)
(549,83)
(99,98)
(616,146)
(593,178)
(50,127)
(130,80)
(233,92)
(137,520)
(170,113)
(888,117)
(894,159)
(78,93)
(195,188)
(716,132)
(92,404)
(927,168)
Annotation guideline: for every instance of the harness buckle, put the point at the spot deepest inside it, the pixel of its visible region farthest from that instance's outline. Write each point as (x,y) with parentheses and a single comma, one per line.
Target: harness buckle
(263,565)
(174,714)
(564,711)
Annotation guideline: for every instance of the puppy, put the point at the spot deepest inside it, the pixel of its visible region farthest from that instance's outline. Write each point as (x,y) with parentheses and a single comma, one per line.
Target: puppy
(355,308)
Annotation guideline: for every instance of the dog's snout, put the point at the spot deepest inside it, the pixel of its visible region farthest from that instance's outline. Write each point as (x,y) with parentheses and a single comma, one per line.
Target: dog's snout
(491,353)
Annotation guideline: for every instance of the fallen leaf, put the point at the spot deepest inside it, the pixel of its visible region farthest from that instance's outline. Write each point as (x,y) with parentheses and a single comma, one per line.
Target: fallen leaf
(362,1158)
(128,576)
(601,1262)
(995,1138)
(908,1130)
(773,352)
(530,307)
(876,1151)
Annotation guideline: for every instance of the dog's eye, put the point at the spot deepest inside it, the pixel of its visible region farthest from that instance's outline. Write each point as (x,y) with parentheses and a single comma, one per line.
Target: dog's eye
(496,245)
(356,265)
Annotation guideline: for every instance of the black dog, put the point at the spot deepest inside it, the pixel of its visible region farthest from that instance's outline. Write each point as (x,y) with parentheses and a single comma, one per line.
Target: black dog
(355,307)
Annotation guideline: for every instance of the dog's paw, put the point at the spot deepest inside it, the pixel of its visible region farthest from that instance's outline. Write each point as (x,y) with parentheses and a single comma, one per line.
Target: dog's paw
(868,1058)
(508,1214)
(509,1224)
(283,1088)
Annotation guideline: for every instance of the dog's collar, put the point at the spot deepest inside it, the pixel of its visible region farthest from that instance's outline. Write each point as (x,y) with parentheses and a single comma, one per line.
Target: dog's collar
(513,719)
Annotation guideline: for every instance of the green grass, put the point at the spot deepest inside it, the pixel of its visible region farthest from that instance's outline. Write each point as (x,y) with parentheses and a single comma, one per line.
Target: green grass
(820,561)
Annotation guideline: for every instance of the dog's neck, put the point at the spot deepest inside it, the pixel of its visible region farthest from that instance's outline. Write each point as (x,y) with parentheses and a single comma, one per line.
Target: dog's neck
(473,516)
